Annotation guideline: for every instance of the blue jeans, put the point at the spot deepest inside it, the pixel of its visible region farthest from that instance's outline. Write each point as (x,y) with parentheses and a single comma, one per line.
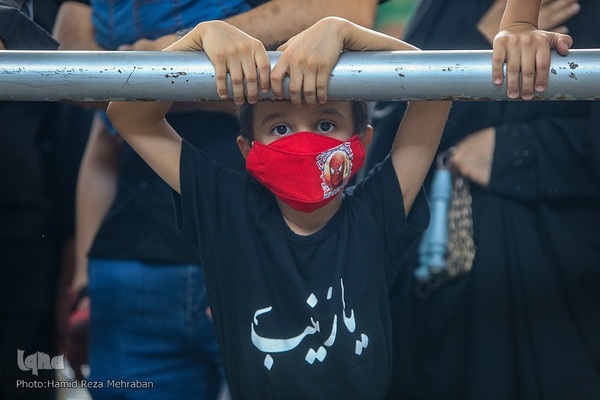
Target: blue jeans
(149,324)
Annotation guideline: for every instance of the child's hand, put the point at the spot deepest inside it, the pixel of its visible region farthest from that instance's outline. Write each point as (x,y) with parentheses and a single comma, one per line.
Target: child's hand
(231,51)
(526,50)
(308,58)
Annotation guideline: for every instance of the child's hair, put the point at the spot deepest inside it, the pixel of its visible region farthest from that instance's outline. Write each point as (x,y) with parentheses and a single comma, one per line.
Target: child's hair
(245,115)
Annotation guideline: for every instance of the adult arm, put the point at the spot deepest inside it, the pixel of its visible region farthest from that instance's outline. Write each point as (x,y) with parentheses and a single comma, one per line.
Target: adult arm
(290,17)
(74,28)
(95,191)
(282,19)
(98,170)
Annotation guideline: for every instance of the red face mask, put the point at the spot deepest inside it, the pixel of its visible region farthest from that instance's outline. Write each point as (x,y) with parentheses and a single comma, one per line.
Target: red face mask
(306,170)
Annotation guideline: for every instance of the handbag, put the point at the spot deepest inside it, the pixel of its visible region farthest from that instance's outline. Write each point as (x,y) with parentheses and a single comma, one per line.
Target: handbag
(447,248)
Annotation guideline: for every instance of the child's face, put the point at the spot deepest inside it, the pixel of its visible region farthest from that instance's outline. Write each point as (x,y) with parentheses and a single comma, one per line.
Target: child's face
(274,120)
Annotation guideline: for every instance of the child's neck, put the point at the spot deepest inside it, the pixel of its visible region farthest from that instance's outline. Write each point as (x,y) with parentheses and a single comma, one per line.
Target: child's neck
(305,224)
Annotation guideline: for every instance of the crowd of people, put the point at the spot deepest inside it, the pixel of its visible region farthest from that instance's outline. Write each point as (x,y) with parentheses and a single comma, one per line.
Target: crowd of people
(166,243)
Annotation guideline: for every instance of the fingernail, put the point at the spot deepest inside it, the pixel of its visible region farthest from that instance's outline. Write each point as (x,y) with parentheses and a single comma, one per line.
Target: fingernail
(540,88)
(497,81)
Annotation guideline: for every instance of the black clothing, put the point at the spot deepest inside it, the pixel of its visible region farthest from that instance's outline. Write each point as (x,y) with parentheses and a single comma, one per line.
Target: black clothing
(525,322)
(37,186)
(141,192)
(39,156)
(298,317)
(18,31)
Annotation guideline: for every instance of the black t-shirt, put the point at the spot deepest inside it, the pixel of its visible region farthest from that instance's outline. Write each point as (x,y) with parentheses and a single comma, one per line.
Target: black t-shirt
(298,317)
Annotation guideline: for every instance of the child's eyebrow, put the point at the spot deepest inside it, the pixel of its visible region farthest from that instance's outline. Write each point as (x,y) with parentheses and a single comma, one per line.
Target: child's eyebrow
(331,111)
(280,115)
(271,116)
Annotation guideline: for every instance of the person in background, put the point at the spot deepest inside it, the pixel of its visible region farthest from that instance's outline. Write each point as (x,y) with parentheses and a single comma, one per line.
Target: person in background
(141,268)
(36,215)
(518,317)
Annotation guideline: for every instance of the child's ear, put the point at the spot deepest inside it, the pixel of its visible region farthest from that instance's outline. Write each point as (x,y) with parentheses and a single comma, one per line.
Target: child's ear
(366,138)
(244,145)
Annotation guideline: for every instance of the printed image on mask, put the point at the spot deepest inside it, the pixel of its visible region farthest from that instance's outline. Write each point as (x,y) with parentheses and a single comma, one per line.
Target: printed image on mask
(336,170)
(336,167)
(306,170)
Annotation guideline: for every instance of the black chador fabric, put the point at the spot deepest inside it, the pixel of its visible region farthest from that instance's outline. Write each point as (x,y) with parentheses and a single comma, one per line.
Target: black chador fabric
(525,322)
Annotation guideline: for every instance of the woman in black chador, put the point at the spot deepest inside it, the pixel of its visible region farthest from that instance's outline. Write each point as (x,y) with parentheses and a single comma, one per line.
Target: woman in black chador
(524,321)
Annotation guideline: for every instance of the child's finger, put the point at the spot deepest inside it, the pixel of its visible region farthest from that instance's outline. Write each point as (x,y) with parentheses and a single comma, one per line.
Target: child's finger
(322,82)
(513,67)
(562,43)
(542,63)
(251,80)
(278,74)
(296,86)
(309,89)
(528,72)
(498,59)
(263,64)
(221,79)
(236,75)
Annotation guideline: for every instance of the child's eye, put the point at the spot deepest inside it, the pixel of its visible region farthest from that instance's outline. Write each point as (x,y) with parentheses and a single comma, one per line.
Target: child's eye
(281,130)
(326,127)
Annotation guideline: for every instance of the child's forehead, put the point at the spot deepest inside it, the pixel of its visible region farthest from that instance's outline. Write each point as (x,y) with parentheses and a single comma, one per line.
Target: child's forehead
(285,109)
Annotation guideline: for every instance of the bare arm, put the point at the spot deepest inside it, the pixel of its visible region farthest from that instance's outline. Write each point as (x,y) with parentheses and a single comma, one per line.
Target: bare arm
(416,143)
(287,18)
(98,170)
(73,27)
(527,12)
(96,187)
(282,19)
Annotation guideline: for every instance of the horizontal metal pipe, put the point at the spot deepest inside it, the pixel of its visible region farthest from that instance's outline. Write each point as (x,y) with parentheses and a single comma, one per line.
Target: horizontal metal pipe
(189,76)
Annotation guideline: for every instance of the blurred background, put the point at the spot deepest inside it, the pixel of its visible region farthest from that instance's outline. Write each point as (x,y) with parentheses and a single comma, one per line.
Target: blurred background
(393,16)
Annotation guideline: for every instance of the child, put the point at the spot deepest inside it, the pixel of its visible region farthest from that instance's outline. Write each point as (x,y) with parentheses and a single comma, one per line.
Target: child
(297,272)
